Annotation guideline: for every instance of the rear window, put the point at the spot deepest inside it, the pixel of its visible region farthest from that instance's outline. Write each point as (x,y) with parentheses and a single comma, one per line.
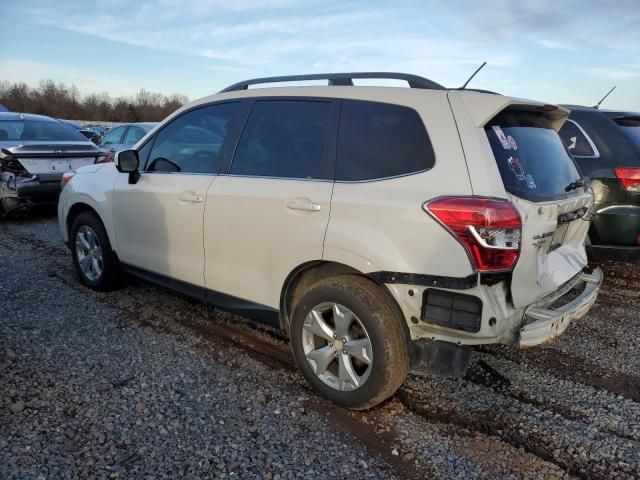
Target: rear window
(631,128)
(38,130)
(379,140)
(533,161)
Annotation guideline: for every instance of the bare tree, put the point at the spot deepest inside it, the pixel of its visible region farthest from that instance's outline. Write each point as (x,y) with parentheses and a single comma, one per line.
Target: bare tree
(62,101)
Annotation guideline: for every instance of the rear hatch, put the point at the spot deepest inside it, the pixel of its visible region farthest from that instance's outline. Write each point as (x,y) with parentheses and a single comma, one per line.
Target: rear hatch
(543,182)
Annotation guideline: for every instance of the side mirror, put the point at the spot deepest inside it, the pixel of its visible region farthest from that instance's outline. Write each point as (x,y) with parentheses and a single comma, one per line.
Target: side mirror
(127,161)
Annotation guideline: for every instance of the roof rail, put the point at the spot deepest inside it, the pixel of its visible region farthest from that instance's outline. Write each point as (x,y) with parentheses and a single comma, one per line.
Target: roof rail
(341,79)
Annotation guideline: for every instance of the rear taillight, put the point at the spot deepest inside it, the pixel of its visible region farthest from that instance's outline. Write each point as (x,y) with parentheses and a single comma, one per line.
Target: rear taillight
(104,157)
(629,178)
(489,229)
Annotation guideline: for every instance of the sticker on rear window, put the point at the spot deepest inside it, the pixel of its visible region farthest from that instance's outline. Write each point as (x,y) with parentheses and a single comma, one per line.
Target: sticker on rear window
(516,168)
(502,137)
(512,142)
(530,183)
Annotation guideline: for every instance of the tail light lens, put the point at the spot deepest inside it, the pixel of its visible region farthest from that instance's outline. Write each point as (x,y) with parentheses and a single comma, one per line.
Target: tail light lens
(489,229)
(104,157)
(629,178)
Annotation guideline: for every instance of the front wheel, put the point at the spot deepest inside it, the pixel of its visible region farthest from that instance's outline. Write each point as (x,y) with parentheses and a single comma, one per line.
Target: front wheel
(348,341)
(95,262)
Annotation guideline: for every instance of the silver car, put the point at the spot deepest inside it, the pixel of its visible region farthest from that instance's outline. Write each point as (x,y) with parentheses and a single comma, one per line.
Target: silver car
(122,137)
(35,151)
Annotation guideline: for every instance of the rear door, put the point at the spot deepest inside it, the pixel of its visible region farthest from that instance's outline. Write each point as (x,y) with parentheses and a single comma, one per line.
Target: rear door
(269,214)
(543,182)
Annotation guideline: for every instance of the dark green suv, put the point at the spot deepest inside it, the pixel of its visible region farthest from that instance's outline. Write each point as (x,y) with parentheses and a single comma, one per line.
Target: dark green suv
(606,146)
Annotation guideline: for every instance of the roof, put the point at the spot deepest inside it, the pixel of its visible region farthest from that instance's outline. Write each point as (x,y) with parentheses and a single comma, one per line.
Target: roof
(608,113)
(25,116)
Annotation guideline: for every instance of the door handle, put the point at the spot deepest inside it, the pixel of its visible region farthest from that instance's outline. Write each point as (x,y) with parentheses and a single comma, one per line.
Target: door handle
(192,197)
(306,206)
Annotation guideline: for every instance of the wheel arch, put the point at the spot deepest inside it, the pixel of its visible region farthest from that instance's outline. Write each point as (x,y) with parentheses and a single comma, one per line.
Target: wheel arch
(308,273)
(80,207)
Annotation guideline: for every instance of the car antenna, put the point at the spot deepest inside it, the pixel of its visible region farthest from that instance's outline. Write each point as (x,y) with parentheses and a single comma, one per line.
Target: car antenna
(471,77)
(602,100)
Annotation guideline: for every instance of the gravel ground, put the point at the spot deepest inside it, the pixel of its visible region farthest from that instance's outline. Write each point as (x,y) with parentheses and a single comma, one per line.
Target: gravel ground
(142,383)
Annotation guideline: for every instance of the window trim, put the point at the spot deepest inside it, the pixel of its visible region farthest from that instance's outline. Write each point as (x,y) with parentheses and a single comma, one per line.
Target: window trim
(596,152)
(233,134)
(329,163)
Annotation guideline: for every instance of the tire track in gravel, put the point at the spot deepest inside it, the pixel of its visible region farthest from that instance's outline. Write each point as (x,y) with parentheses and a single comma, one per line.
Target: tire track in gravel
(438,408)
(218,335)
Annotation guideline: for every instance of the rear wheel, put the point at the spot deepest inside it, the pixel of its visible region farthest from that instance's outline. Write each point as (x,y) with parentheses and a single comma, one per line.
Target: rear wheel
(95,262)
(347,339)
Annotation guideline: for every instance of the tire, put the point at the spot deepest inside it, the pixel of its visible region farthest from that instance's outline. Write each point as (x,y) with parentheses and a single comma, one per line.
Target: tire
(377,320)
(106,276)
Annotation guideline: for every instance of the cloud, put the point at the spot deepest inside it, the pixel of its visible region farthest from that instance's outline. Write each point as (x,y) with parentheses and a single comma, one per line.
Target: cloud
(554,44)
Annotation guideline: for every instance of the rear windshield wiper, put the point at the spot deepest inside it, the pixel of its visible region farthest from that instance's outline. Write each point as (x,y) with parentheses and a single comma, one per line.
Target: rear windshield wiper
(581,182)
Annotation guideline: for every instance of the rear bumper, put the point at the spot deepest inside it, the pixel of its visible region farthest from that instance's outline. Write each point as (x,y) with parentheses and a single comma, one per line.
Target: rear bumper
(544,321)
(39,192)
(27,193)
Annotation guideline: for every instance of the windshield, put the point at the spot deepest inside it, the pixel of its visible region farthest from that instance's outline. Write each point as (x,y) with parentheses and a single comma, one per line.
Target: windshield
(38,130)
(533,161)
(631,128)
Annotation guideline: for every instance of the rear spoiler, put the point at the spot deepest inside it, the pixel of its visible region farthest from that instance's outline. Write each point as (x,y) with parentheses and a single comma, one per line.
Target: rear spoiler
(483,107)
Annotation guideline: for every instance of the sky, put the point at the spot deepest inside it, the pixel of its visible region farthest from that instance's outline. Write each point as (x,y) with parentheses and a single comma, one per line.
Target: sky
(558,51)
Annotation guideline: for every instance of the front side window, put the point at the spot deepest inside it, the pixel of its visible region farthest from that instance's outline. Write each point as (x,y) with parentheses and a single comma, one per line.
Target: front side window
(286,139)
(577,140)
(113,137)
(379,140)
(38,130)
(533,162)
(631,128)
(133,135)
(192,143)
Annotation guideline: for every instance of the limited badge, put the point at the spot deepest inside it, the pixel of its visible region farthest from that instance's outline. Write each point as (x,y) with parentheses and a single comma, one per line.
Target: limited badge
(516,168)
(530,183)
(512,142)
(502,137)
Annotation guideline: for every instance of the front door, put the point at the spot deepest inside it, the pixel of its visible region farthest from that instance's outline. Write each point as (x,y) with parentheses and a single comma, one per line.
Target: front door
(159,220)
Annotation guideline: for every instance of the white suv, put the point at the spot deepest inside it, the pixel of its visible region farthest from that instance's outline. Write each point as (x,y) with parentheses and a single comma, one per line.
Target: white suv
(385,229)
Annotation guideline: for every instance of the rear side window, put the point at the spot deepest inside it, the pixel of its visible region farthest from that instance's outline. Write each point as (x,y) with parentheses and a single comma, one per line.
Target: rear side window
(577,140)
(379,140)
(285,138)
(533,161)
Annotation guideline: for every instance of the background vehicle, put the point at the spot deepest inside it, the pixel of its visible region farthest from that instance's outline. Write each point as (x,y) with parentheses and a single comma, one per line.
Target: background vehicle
(122,137)
(384,228)
(86,132)
(606,146)
(34,153)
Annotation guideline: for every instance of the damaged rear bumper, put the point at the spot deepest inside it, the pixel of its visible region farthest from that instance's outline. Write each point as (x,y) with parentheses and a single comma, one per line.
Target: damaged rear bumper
(546,320)
(18,193)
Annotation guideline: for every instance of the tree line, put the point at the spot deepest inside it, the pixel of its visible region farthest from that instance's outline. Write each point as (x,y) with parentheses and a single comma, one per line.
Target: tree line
(61,101)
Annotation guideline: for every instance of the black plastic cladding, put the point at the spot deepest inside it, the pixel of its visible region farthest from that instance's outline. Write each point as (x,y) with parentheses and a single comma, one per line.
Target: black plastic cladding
(340,79)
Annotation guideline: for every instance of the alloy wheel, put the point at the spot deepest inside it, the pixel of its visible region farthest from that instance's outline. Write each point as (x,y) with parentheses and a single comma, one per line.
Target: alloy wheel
(89,253)
(337,346)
